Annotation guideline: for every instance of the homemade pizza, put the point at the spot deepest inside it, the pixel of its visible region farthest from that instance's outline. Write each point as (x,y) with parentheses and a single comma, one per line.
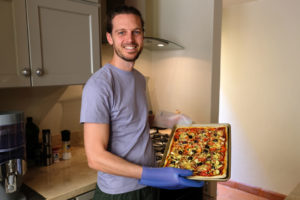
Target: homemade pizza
(204,150)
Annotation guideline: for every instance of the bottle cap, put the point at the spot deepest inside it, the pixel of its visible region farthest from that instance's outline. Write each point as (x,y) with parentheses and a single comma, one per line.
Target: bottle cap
(65,135)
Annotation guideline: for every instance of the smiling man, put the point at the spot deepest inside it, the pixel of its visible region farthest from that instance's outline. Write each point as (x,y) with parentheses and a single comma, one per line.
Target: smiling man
(126,37)
(115,116)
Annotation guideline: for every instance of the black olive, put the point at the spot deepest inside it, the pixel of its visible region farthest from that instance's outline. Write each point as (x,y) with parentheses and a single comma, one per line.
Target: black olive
(180,152)
(172,162)
(215,140)
(199,164)
(190,158)
(194,151)
(206,146)
(215,134)
(205,151)
(184,142)
(190,136)
(195,141)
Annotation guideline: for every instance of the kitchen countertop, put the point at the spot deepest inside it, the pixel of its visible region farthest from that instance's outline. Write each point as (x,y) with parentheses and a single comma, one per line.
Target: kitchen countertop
(64,179)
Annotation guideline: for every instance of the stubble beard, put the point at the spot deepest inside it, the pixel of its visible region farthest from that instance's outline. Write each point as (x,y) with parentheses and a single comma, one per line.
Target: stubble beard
(119,53)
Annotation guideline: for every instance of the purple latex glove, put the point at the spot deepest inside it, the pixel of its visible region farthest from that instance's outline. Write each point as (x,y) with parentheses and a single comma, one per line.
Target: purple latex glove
(168,178)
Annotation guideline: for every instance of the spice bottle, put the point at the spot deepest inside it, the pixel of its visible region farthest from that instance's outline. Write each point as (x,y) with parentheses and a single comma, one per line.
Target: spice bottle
(55,154)
(66,145)
(47,149)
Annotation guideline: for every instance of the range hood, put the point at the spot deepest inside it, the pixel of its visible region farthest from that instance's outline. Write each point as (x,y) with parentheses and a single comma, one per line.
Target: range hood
(153,43)
(150,43)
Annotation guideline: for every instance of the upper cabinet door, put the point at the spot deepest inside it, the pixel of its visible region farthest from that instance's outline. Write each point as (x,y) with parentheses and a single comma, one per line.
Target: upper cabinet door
(14,55)
(63,41)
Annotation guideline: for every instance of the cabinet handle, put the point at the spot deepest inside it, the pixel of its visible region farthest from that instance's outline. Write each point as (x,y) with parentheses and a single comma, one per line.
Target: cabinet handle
(26,72)
(39,72)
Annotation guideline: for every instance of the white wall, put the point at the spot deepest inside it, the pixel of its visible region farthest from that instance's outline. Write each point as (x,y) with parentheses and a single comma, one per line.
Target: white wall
(260,92)
(182,79)
(55,108)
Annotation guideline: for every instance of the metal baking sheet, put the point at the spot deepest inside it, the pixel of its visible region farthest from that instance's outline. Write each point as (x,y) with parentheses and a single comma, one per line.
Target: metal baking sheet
(167,149)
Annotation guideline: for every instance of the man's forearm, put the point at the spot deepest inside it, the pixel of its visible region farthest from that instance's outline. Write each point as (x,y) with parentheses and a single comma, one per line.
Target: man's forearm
(96,137)
(109,163)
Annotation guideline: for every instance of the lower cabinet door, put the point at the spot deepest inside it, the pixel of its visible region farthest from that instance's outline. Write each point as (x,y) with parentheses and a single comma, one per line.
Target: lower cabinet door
(86,196)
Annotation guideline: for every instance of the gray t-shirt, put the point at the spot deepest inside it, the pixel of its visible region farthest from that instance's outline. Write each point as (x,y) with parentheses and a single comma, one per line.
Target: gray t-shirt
(118,98)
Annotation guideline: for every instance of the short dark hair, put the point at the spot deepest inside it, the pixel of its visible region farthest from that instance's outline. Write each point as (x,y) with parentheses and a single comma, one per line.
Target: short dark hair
(123,9)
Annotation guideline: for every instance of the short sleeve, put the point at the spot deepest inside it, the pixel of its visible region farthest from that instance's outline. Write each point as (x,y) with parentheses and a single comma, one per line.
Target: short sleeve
(95,103)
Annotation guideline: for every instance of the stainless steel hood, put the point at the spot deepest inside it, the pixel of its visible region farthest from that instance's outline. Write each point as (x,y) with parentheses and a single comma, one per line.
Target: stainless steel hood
(153,43)
(150,43)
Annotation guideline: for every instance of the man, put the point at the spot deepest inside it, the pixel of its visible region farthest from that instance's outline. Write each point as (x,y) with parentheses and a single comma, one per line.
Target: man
(114,113)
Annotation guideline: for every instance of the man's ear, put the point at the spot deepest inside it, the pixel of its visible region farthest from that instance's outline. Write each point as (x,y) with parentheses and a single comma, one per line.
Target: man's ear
(109,38)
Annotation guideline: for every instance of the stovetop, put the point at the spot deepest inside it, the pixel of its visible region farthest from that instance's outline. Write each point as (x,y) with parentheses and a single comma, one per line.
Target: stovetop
(160,138)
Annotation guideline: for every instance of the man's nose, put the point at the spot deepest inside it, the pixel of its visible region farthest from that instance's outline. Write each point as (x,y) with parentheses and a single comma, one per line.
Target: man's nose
(130,36)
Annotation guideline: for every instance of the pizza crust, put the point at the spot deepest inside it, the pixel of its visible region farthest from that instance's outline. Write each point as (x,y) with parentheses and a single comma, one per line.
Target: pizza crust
(224,173)
(205,177)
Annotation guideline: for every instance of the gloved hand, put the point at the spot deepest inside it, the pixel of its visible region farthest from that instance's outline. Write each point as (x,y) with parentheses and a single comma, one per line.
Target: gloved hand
(168,178)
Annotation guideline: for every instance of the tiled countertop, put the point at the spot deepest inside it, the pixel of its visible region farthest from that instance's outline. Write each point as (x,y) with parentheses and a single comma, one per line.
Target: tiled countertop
(63,180)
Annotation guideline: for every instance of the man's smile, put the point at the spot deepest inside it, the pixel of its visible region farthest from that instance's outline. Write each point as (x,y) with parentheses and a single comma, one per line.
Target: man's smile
(130,47)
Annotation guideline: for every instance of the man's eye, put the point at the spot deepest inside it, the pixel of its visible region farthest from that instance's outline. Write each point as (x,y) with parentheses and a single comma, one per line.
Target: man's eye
(137,32)
(121,33)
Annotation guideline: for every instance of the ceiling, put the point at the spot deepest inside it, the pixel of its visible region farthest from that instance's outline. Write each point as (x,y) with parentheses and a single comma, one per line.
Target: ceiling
(232,2)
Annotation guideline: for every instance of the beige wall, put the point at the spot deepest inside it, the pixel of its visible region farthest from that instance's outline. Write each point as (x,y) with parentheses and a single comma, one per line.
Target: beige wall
(260,92)
(182,79)
(55,108)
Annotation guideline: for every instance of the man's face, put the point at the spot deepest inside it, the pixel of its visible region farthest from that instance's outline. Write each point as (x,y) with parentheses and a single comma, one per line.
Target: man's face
(127,36)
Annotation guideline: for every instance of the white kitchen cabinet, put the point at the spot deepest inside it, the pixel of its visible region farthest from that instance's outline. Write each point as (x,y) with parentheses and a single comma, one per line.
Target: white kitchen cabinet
(14,54)
(48,42)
